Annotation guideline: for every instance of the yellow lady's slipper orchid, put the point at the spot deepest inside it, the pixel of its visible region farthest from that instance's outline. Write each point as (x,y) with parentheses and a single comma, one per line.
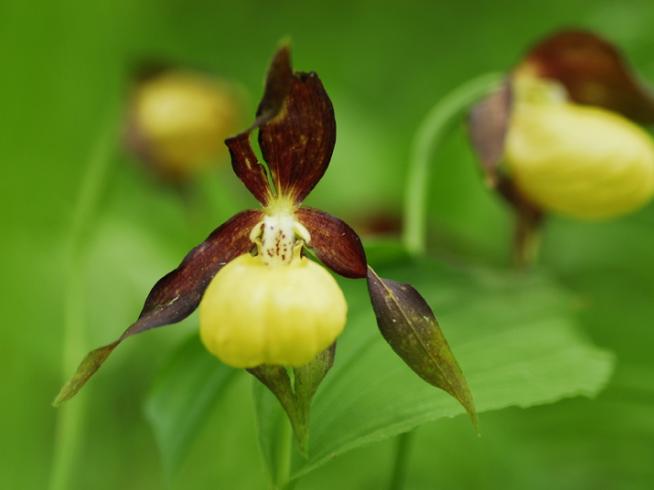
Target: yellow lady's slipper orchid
(577,160)
(264,305)
(254,313)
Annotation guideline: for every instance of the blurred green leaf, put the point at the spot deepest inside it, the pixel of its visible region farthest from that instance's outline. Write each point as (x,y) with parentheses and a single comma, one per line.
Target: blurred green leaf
(185,392)
(513,335)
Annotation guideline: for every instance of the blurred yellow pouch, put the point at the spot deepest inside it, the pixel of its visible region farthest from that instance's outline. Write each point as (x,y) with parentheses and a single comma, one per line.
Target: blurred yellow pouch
(581,161)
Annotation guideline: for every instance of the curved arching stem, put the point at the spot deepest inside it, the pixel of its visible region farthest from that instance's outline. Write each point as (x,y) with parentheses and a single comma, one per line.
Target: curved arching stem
(439,120)
(434,127)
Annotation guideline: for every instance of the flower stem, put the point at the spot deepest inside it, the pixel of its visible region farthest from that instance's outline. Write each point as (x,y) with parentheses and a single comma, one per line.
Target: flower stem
(427,139)
(283,464)
(71,416)
(401,459)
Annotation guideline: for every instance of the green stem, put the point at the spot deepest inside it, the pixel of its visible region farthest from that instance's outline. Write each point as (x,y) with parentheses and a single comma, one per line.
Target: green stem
(283,469)
(401,460)
(428,137)
(71,416)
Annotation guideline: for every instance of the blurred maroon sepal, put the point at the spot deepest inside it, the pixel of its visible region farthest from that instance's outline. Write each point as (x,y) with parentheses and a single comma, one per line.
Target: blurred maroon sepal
(590,68)
(408,324)
(593,72)
(297,133)
(178,293)
(488,124)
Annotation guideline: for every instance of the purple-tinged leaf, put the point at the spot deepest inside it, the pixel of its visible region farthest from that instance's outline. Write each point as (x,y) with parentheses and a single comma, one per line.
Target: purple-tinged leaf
(334,242)
(408,324)
(593,71)
(488,125)
(177,294)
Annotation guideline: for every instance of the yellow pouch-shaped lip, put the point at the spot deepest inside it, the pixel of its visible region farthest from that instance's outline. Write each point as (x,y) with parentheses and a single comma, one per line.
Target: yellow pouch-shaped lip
(580,161)
(253,313)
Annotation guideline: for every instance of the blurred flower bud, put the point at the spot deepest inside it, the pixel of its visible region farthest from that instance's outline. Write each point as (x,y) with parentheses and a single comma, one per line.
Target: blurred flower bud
(256,313)
(576,160)
(178,121)
(561,135)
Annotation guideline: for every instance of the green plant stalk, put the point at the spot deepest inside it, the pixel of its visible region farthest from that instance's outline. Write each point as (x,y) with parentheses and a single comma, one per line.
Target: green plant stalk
(439,120)
(400,460)
(70,418)
(428,137)
(283,470)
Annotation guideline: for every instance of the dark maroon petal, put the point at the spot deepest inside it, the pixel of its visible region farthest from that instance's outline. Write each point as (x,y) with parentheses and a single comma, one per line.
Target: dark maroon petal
(488,125)
(247,168)
(178,293)
(409,326)
(297,132)
(334,242)
(298,142)
(593,72)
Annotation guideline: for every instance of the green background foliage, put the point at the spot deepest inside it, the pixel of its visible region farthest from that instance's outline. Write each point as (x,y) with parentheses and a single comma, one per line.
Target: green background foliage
(65,74)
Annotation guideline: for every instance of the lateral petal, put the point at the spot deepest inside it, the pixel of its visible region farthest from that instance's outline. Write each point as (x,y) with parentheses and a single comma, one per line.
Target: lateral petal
(177,294)
(335,243)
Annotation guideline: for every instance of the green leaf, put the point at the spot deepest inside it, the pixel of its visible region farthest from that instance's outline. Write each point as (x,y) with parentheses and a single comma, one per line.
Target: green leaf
(183,395)
(409,326)
(514,335)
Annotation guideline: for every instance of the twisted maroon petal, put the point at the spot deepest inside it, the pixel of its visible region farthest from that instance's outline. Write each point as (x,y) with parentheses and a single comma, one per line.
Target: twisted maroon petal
(178,293)
(247,167)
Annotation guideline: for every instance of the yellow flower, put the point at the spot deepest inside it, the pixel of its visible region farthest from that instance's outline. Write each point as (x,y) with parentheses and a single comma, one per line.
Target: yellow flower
(582,161)
(253,313)
(264,305)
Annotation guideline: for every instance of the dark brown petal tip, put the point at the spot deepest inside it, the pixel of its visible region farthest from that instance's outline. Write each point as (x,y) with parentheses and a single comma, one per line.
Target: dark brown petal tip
(593,72)
(298,142)
(278,85)
(488,124)
(178,293)
(334,243)
(410,327)
(297,131)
